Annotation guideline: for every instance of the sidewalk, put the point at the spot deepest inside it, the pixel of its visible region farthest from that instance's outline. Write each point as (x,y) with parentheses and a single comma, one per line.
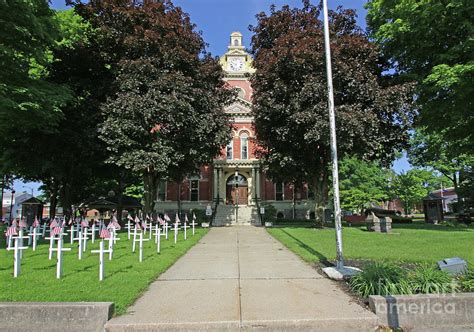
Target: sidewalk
(240,278)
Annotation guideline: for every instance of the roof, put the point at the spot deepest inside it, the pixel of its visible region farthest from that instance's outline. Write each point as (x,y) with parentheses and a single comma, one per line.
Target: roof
(32,201)
(433,197)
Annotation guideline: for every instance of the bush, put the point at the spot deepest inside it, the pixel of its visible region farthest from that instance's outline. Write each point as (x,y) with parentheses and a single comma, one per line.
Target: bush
(466,280)
(427,280)
(200,215)
(270,213)
(380,279)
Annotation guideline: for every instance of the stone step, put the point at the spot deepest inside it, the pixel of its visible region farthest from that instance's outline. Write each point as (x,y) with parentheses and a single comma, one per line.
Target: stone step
(362,324)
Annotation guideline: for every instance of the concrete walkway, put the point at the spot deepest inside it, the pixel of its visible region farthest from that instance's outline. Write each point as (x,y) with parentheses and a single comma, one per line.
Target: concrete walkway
(240,278)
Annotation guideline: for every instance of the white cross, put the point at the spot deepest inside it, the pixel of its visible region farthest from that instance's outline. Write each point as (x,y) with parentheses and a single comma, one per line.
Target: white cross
(112,240)
(185,227)
(193,224)
(101,253)
(20,237)
(17,250)
(72,230)
(85,238)
(59,254)
(79,239)
(175,232)
(140,247)
(34,235)
(166,227)
(129,228)
(158,236)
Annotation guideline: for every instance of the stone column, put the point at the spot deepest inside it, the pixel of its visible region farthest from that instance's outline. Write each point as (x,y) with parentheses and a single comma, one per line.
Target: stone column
(257,187)
(215,183)
(218,183)
(254,184)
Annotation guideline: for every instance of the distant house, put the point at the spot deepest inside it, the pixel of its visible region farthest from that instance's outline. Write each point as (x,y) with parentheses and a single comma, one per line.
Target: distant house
(448,196)
(14,203)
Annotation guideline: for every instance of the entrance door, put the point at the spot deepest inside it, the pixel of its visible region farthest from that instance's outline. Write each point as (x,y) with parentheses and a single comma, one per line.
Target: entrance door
(237,194)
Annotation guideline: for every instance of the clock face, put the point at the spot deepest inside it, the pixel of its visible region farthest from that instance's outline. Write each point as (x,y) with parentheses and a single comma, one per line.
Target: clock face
(236,64)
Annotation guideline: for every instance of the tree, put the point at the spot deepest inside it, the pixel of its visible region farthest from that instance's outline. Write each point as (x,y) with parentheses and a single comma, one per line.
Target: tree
(28,103)
(430,42)
(362,183)
(431,150)
(412,186)
(290,95)
(166,118)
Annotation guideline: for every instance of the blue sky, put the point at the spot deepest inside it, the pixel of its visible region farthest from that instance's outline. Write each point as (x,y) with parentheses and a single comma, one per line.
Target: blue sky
(218,18)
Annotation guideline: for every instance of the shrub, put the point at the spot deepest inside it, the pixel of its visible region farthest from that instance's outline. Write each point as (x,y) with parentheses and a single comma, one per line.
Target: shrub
(200,215)
(380,279)
(427,280)
(270,212)
(466,280)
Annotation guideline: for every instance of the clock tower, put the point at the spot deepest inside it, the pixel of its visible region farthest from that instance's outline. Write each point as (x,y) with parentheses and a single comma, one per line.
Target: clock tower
(236,61)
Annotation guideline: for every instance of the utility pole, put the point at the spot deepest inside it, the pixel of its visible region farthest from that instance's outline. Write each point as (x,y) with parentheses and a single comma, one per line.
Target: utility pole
(332,125)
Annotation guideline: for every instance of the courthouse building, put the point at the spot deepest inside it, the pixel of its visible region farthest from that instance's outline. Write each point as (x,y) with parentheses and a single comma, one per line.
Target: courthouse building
(237,159)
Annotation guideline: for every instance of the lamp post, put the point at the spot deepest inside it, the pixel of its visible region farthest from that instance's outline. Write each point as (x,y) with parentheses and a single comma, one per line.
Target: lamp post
(332,125)
(11,206)
(237,195)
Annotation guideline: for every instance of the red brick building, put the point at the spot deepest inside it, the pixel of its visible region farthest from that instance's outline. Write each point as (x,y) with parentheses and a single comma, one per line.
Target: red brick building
(217,181)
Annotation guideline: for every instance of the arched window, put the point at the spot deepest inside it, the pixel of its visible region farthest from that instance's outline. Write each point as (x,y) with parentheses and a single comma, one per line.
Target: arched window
(236,42)
(229,149)
(241,93)
(244,145)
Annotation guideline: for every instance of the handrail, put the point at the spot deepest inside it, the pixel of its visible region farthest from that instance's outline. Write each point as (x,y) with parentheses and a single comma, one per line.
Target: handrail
(258,210)
(214,210)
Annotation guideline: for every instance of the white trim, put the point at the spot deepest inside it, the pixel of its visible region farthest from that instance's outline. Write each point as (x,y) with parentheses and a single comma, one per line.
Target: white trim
(282,191)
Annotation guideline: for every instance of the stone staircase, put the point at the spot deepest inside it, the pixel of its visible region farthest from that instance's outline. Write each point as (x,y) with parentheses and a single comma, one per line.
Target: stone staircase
(225,215)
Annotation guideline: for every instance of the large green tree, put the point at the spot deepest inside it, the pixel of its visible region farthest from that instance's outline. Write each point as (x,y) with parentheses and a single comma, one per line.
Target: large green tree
(363,183)
(290,95)
(166,118)
(28,103)
(414,185)
(432,42)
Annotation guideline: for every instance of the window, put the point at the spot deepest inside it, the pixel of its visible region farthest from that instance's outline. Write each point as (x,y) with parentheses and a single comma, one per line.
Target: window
(236,42)
(162,191)
(229,150)
(244,145)
(194,188)
(279,191)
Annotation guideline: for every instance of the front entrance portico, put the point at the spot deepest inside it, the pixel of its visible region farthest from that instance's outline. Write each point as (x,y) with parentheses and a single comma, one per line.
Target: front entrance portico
(248,181)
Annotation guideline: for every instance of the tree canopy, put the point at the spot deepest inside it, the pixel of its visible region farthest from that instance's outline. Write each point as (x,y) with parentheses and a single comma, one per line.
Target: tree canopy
(165,117)
(432,42)
(373,113)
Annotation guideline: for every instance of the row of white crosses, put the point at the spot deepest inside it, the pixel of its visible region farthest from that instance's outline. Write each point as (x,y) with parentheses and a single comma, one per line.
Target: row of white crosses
(56,231)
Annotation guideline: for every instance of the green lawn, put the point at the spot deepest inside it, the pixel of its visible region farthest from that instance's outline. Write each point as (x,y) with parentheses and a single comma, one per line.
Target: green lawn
(408,243)
(125,277)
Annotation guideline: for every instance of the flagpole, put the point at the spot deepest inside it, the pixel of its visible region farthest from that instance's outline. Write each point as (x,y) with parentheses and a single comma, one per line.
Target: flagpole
(332,123)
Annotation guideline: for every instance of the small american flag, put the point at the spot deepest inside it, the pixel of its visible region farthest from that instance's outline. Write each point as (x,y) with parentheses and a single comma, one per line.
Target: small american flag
(129,217)
(23,223)
(176,220)
(104,233)
(36,223)
(84,223)
(194,217)
(11,231)
(56,230)
(14,223)
(167,218)
(70,221)
(53,223)
(161,221)
(147,217)
(186,218)
(63,223)
(115,224)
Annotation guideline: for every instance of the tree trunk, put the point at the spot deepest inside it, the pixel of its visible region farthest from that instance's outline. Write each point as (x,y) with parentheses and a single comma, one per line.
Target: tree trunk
(121,188)
(150,185)
(294,202)
(53,198)
(179,197)
(1,196)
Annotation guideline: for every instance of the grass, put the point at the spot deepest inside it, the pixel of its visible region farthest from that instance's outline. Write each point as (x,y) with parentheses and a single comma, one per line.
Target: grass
(125,277)
(414,243)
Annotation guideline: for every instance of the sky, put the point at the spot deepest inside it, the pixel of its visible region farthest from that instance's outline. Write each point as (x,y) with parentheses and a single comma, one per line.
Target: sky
(218,18)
